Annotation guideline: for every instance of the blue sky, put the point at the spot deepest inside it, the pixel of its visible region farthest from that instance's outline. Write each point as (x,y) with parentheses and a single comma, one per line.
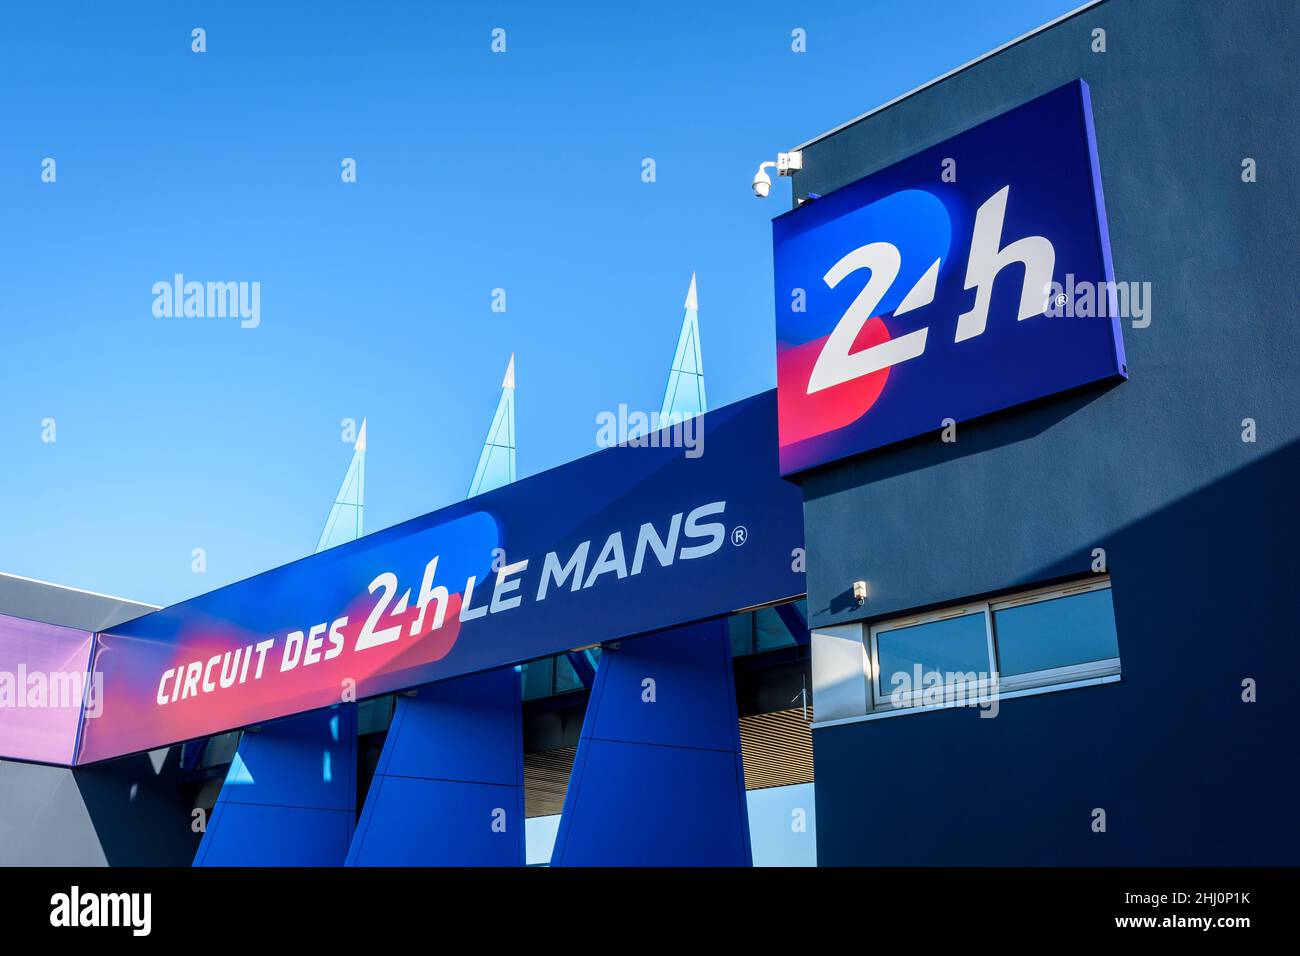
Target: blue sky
(475,171)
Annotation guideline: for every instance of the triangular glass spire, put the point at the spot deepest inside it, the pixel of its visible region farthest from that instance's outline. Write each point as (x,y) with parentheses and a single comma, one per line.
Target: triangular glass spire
(344,522)
(684,395)
(496,465)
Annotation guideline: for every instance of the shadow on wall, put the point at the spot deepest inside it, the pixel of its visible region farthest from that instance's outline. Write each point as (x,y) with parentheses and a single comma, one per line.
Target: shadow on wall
(989,432)
(135,811)
(141,809)
(978,437)
(1187,772)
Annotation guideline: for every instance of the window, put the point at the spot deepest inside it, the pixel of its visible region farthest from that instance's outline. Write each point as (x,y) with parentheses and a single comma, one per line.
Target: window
(551,676)
(949,646)
(539,679)
(1038,634)
(768,629)
(1036,640)
(566,676)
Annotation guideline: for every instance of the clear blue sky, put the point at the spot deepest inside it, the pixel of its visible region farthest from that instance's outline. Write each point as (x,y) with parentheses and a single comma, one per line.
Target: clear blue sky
(475,171)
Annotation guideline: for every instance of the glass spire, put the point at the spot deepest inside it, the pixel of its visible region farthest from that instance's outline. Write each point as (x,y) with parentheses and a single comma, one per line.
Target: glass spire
(496,464)
(344,521)
(684,395)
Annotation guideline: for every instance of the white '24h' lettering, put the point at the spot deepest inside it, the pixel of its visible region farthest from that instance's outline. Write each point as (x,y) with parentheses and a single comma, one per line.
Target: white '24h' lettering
(837,365)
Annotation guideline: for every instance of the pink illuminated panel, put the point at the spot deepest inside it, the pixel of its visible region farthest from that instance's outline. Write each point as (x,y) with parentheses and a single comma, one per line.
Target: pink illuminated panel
(42,681)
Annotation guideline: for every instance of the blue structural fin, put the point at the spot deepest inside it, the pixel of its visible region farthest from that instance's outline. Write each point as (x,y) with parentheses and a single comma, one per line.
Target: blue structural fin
(345,518)
(658,778)
(684,395)
(289,797)
(449,788)
(496,463)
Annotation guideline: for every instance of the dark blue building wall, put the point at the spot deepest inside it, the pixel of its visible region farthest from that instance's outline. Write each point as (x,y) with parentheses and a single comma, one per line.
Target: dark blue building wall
(1200,528)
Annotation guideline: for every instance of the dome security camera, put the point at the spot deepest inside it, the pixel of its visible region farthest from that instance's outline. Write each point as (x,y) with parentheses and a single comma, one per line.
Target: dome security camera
(787,164)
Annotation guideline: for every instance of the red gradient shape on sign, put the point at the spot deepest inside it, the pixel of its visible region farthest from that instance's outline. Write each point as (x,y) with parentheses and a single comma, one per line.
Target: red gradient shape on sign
(277,693)
(802,416)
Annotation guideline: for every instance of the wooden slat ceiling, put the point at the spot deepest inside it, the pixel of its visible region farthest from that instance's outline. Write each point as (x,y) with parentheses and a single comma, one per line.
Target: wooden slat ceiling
(776,748)
(546,777)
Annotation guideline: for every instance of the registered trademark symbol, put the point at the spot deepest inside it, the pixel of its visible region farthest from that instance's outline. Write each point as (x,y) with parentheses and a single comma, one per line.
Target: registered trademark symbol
(739,535)
(1060,298)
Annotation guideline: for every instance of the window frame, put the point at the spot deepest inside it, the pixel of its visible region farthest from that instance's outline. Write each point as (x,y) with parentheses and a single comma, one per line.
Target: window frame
(1056,678)
(880,697)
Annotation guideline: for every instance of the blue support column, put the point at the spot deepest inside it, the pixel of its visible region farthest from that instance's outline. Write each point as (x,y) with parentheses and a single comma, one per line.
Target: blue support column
(658,779)
(289,798)
(449,788)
